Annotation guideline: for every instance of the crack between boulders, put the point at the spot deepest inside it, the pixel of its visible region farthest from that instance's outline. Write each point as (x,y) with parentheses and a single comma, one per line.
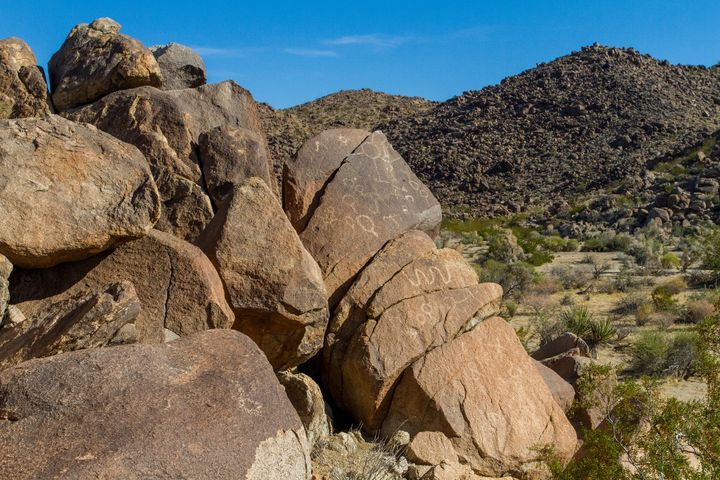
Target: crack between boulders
(171,282)
(195,148)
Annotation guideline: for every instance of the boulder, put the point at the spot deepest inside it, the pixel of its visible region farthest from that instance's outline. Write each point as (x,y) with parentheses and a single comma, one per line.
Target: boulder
(567,365)
(410,291)
(23,91)
(564,343)
(430,448)
(485,394)
(562,391)
(166,127)
(180,66)
(96,60)
(69,191)
(5,271)
(178,287)
(307,173)
(274,285)
(368,200)
(230,156)
(84,320)
(203,407)
(307,399)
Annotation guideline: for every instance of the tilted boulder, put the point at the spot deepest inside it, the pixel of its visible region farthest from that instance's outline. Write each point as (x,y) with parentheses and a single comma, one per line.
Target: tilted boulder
(5,271)
(274,286)
(410,299)
(369,198)
(307,399)
(23,91)
(232,155)
(79,321)
(203,407)
(166,127)
(181,66)
(96,60)
(178,287)
(484,393)
(562,391)
(562,344)
(306,175)
(69,191)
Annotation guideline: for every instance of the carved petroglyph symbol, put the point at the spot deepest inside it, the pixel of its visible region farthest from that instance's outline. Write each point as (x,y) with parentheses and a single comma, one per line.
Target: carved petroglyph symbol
(367,224)
(429,276)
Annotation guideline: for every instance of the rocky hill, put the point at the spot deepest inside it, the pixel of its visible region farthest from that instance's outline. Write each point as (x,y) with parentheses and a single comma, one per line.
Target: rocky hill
(555,132)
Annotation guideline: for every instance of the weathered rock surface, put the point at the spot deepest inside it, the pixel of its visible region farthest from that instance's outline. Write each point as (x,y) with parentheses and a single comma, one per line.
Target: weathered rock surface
(431,448)
(564,343)
(307,173)
(203,407)
(5,271)
(181,66)
(232,155)
(23,92)
(562,391)
(96,60)
(178,287)
(307,399)
(372,197)
(484,393)
(69,191)
(166,127)
(410,299)
(567,365)
(274,285)
(84,320)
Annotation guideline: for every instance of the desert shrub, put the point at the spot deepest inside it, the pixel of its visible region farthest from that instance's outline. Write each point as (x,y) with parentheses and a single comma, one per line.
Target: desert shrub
(567,300)
(649,353)
(572,278)
(629,304)
(622,333)
(525,335)
(682,354)
(673,286)
(643,313)
(546,285)
(601,332)
(577,320)
(511,307)
(514,278)
(624,281)
(545,324)
(663,295)
(698,310)
(664,319)
(670,260)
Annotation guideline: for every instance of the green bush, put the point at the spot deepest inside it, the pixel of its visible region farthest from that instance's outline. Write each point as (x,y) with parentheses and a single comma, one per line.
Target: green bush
(670,260)
(577,320)
(601,332)
(649,353)
(514,278)
(682,353)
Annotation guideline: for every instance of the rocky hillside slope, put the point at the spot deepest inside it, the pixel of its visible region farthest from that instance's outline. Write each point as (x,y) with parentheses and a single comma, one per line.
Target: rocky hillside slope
(557,131)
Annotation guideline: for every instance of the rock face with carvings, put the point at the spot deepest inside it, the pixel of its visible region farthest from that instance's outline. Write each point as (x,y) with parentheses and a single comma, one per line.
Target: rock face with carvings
(23,91)
(350,195)
(69,191)
(203,407)
(273,284)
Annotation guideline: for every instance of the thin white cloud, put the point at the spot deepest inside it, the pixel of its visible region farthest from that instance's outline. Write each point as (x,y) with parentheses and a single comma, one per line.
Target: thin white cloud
(310,52)
(378,40)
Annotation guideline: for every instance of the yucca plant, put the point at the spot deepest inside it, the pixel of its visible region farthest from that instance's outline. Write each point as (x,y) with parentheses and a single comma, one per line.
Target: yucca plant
(601,332)
(577,320)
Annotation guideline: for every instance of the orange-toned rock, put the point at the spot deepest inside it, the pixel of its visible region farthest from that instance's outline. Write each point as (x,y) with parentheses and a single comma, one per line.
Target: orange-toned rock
(274,285)
(484,393)
(562,391)
(23,91)
(430,448)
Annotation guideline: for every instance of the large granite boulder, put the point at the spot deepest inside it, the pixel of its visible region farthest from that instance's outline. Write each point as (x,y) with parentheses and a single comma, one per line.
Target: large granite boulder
(166,126)
(179,289)
(96,60)
(485,394)
(232,155)
(23,91)
(361,201)
(274,285)
(83,320)
(69,191)
(410,299)
(180,66)
(203,407)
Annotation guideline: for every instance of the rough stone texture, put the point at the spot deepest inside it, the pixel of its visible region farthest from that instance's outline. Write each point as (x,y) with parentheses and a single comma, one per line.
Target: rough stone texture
(69,191)
(484,393)
(96,60)
(178,287)
(23,92)
(274,286)
(562,391)
(430,448)
(230,156)
(166,127)
(565,342)
(567,365)
(203,407)
(5,271)
(457,471)
(85,320)
(307,173)
(180,66)
(371,198)
(410,299)
(307,399)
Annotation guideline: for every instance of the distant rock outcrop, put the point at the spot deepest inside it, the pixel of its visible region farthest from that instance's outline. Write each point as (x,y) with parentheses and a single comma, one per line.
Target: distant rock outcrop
(69,191)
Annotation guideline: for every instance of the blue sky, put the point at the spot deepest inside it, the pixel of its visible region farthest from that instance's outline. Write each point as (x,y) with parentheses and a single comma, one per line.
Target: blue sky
(289,52)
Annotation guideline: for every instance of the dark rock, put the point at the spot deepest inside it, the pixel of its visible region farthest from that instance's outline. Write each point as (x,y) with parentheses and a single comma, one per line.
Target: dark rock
(180,66)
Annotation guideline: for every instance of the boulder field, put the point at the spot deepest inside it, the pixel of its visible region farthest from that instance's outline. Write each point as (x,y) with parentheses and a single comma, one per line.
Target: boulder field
(166,311)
